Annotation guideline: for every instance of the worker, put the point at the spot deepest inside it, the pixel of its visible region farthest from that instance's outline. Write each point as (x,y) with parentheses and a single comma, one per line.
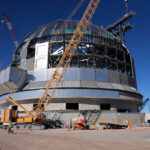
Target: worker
(9,128)
(70,125)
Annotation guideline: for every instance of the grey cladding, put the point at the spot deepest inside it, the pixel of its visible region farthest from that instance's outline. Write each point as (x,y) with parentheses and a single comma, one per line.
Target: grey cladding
(10,78)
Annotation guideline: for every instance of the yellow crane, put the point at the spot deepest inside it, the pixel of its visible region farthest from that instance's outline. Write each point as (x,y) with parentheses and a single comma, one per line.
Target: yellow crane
(63,64)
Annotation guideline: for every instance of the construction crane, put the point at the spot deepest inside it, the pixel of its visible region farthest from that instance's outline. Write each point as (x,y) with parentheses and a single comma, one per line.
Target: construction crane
(26,119)
(52,40)
(63,63)
(1,65)
(67,56)
(9,25)
(144,104)
(50,44)
(126,4)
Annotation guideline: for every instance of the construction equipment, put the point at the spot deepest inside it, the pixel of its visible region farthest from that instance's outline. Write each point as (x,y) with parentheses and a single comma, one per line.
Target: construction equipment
(126,4)
(61,67)
(8,115)
(67,56)
(10,29)
(85,120)
(144,104)
(78,123)
(1,65)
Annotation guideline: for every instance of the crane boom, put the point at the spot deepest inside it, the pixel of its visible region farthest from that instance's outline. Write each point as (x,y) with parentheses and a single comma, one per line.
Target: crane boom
(126,3)
(10,29)
(28,112)
(66,57)
(144,104)
(1,65)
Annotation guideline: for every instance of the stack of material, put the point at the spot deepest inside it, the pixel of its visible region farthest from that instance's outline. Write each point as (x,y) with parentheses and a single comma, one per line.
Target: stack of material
(8,115)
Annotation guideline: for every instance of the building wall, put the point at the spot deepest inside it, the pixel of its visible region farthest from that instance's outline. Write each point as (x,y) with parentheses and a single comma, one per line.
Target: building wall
(134,119)
(147,117)
(82,105)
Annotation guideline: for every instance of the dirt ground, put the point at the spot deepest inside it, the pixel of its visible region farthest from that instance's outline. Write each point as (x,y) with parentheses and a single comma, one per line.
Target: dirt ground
(62,139)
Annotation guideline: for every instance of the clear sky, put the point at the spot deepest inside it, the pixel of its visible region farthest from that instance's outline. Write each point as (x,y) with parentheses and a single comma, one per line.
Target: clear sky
(27,15)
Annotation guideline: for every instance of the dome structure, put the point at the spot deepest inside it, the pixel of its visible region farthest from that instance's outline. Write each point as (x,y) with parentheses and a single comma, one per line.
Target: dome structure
(101,75)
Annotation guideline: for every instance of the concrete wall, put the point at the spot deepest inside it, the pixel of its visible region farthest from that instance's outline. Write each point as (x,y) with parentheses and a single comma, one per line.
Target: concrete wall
(83,105)
(89,106)
(56,106)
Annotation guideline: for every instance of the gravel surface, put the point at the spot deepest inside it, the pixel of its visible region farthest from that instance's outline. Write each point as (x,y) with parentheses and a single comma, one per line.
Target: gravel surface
(62,139)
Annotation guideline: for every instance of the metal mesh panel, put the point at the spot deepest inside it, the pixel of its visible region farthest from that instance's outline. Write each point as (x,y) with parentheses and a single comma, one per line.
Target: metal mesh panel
(101,75)
(113,77)
(123,79)
(132,82)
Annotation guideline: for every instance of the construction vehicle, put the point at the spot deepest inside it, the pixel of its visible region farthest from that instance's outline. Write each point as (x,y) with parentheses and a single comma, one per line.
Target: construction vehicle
(46,98)
(79,123)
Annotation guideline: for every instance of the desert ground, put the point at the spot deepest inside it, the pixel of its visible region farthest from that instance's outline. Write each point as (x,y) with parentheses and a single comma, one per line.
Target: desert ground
(64,139)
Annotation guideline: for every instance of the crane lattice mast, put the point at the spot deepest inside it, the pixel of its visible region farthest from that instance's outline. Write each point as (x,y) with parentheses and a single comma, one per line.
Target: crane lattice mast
(11,29)
(66,57)
(126,3)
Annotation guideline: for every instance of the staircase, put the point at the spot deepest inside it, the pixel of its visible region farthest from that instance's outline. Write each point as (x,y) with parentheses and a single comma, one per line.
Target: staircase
(91,116)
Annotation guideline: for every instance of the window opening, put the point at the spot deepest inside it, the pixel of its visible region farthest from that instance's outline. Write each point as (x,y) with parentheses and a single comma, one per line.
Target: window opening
(73,106)
(14,107)
(105,106)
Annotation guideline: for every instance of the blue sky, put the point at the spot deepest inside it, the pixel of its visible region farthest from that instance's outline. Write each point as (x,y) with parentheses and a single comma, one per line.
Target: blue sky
(27,15)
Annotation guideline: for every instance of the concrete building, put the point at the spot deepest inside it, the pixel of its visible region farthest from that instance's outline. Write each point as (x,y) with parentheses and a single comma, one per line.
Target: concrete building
(100,80)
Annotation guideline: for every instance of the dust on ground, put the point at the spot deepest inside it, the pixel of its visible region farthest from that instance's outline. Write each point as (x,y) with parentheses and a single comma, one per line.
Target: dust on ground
(63,139)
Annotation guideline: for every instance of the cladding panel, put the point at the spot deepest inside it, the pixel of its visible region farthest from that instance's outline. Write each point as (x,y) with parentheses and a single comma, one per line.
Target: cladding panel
(4,75)
(123,79)
(87,74)
(114,77)
(16,74)
(40,75)
(65,93)
(23,64)
(10,77)
(101,75)
(30,64)
(132,82)
(71,74)
(23,53)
